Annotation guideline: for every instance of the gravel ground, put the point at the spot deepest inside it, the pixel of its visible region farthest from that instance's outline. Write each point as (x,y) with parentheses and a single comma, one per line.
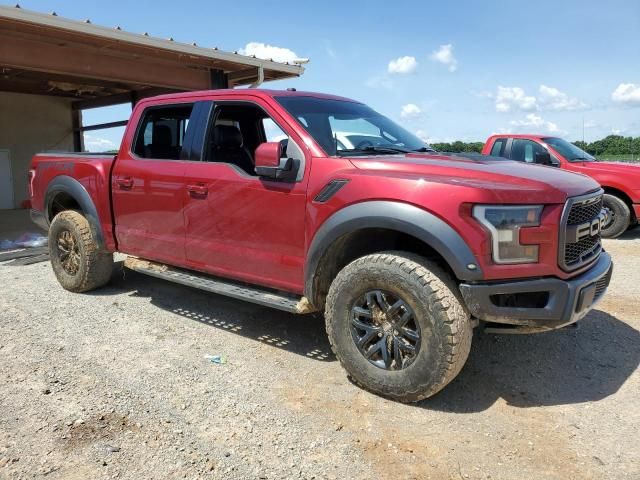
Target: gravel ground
(115,384)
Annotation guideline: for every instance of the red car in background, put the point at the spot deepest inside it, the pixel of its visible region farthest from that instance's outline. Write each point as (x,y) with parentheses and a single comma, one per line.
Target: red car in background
(620,181)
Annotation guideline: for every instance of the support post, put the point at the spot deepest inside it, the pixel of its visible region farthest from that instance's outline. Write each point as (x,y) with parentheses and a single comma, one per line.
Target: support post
(218,79)
(76,125)
(134,98)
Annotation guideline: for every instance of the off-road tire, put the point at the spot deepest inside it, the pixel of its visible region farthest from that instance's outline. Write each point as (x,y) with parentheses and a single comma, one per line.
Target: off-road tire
(94,266)
(621,218)
(444,322)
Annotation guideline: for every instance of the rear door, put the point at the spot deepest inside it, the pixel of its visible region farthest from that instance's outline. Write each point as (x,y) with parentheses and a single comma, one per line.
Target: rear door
(148,185)
(237,224)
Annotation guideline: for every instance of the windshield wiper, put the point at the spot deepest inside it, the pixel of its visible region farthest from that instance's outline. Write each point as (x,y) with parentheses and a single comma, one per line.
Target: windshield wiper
(373,149)
(424,150)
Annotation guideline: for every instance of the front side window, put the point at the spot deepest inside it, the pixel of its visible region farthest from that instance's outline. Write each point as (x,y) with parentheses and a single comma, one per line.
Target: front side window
(568,150)
(525,150)
(272,132)
(344,127)
(162,132)
(237,129)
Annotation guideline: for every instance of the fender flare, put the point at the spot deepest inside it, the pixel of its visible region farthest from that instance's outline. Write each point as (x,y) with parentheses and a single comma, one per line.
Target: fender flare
(76,190)
(400,217)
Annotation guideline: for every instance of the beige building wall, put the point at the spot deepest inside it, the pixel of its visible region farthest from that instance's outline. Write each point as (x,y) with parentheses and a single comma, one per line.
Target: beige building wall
(30,124)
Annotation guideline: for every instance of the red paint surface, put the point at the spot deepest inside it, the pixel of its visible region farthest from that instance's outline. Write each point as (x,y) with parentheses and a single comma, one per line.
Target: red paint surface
(621,176)
(210,217)
(268,154)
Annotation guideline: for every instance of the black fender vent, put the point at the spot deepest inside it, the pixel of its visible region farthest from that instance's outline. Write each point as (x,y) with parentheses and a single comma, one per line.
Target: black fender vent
(329,190)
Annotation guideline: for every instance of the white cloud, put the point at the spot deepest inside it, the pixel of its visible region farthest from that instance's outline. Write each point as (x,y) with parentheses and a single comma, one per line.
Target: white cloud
(627,93)
(553,99)
(98,144)
(444,55)
(533,121)
(509,99)
(482,94)
(329,50)
(403,65)
(410,110)
(424,136)
(379,81)
(269,52)
(514,98)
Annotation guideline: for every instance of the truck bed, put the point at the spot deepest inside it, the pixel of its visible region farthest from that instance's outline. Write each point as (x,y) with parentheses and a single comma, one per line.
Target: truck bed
(90,172)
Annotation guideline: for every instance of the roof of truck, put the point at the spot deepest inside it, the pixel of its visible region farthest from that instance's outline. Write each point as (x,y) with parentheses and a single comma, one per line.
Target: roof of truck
(521,135)
(257,92)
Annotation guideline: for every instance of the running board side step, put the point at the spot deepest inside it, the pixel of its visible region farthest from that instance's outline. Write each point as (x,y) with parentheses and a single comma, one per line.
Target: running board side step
(219,286)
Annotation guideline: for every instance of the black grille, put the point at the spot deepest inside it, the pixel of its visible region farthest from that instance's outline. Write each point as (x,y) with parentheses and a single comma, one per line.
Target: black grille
(583,213)
(602,284)
(575,255)
(581,252)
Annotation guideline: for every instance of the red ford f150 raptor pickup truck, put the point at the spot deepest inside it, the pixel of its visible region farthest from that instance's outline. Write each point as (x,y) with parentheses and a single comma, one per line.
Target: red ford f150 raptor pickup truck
(404,250)
(620,181)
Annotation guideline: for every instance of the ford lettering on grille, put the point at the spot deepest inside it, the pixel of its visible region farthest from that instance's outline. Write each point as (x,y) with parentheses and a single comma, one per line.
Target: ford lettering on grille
(582,220)
(591,228)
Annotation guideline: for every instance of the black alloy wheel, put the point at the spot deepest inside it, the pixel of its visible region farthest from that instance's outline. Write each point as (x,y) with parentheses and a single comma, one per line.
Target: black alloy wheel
(385,331)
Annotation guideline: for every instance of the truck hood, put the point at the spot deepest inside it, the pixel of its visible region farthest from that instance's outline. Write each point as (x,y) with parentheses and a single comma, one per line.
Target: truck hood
(509,181)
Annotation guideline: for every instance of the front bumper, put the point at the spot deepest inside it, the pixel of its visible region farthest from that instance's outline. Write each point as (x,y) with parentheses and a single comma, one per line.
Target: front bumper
(541,304)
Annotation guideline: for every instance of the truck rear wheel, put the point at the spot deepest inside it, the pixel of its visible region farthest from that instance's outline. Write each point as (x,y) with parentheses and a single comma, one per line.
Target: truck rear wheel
(397,326)
(77,261)
(619,216)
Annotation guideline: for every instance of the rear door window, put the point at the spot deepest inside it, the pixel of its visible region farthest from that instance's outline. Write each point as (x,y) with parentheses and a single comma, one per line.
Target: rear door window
(162,132)
(498,147)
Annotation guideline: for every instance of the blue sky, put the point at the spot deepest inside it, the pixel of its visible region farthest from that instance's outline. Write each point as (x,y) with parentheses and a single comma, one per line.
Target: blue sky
(446,70)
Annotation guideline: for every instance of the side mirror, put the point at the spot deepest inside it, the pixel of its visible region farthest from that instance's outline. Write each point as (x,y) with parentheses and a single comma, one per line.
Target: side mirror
(544,158)
(270,164)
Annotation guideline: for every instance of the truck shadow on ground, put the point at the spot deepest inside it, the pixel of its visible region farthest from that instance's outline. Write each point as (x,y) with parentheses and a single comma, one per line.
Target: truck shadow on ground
(631,234)
(568,366)
(301,334)
(555,368)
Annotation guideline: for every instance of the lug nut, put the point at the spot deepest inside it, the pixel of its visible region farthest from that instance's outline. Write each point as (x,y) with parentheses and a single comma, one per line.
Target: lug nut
(380,334)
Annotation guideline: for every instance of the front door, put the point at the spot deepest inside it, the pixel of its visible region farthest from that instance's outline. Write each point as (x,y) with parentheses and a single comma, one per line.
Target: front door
(148,186)
(237,224)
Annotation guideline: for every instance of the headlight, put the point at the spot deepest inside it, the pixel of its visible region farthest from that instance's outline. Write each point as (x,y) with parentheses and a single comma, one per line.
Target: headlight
(504,223)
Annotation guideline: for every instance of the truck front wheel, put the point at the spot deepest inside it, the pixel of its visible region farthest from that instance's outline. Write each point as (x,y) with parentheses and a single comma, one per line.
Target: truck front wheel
(397,326)
(619,216)
(77,261)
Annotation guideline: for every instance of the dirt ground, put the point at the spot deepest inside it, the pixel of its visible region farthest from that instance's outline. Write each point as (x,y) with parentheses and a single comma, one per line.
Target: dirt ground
(116,384)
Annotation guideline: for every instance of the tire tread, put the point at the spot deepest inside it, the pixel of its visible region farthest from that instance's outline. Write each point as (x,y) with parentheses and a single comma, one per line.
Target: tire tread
(442,296)
(98,264)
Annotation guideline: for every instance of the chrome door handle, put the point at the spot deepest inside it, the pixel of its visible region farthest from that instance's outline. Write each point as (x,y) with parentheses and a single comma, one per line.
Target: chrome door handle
(198,190)
(124,182)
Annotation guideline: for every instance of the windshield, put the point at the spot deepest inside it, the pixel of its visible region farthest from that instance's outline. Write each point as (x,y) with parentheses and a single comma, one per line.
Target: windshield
(349,128)
(568,150)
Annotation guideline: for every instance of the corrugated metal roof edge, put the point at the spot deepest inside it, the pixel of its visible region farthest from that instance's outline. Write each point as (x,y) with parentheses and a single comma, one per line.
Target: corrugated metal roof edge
(28,16)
